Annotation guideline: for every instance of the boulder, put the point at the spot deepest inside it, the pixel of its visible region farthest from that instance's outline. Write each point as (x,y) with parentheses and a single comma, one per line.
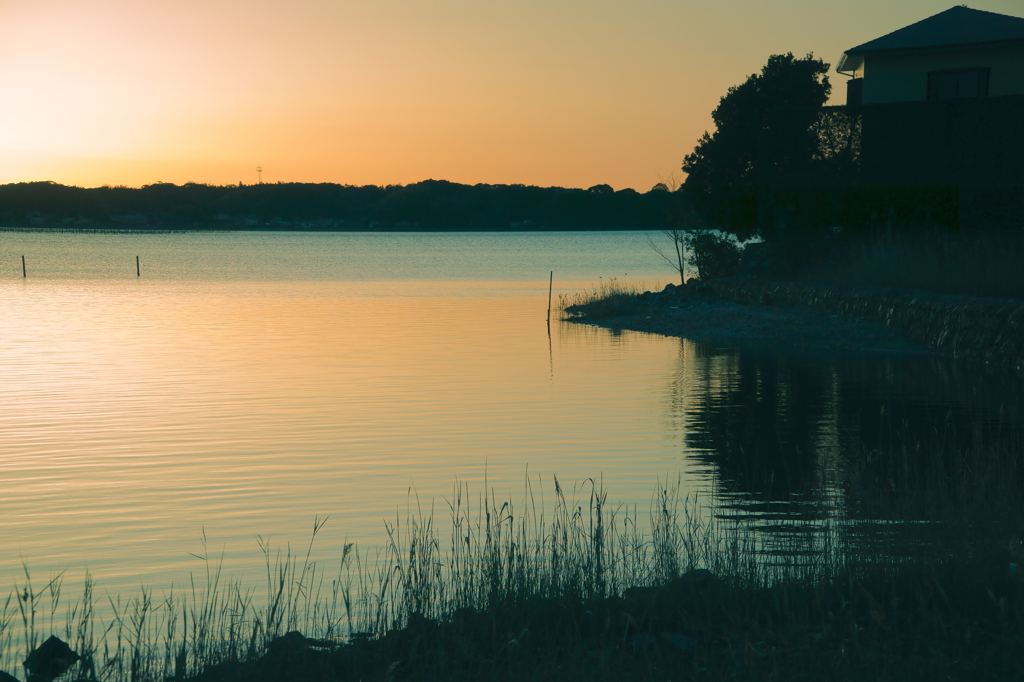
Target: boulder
(49,660)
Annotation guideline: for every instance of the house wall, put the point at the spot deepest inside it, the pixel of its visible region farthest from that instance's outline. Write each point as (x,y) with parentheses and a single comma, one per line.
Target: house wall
(903,77)
(972,146)
(953,163)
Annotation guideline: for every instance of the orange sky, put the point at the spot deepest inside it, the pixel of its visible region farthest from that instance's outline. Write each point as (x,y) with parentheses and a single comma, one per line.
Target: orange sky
(544,92)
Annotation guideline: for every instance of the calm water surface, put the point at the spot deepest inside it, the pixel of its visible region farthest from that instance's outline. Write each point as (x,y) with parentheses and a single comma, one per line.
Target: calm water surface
(250,382)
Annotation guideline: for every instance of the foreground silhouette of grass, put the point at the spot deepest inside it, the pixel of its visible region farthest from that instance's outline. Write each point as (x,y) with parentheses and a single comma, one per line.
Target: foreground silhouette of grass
(579,590)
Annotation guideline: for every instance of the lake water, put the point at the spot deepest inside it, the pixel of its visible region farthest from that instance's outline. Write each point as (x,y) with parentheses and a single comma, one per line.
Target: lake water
(248,383)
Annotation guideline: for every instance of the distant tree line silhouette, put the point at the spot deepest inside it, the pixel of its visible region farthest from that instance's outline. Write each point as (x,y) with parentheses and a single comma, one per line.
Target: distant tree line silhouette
(428,205)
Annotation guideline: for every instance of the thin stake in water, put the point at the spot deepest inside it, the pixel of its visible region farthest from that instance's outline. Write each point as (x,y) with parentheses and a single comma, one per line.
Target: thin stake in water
(551,281)
(24,273)
(138,272)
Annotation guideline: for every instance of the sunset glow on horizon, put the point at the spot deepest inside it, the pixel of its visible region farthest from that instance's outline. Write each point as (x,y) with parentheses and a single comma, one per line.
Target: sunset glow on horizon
(565,93)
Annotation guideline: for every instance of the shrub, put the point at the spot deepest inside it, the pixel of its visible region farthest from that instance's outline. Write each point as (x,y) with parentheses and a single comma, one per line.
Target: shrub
(714,254)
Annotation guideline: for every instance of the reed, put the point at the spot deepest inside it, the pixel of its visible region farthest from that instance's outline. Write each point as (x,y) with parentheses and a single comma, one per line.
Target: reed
(496,553)
(907,549)
(610,297)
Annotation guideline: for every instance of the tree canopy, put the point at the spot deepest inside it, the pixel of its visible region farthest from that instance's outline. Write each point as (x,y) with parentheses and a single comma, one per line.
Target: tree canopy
(784,99)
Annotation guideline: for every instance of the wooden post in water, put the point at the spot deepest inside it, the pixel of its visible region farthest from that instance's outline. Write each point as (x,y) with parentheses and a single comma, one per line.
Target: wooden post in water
(551,281)
(24,273)
(138,272)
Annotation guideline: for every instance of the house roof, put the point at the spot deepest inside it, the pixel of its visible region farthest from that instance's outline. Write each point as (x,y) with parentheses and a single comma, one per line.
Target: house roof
(956,27)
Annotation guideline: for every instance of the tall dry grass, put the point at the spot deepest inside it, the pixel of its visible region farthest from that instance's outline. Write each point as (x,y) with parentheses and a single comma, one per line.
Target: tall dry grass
(610,297)
(492,552)
(574,547)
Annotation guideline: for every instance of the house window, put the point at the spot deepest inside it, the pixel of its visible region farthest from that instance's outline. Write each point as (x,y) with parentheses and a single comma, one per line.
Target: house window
(957,83)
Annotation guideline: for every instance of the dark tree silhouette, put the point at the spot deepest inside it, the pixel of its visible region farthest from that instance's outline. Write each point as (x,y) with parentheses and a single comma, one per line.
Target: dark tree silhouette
(722,171)
(427,205)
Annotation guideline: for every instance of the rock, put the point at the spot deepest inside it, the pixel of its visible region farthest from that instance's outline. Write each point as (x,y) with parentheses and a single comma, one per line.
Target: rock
(699,578)
(51,659)
(294,643)
(693,588)
(290,643)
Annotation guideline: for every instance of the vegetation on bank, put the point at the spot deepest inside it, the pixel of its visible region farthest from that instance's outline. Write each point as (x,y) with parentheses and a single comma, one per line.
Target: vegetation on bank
(935,261)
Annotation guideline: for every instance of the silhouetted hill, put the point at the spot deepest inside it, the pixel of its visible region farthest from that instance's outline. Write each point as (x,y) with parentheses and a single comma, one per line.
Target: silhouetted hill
(428,205)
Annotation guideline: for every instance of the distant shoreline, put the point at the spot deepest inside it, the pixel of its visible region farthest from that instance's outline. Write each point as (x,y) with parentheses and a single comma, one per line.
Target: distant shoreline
(172,229)
(431,205)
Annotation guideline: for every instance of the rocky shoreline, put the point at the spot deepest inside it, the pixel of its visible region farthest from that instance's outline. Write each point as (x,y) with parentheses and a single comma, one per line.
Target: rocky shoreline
(743,311)
(701,313)
(985,330)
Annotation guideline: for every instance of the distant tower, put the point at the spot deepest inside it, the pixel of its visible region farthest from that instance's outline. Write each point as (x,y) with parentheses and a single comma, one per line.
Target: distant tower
(259,174)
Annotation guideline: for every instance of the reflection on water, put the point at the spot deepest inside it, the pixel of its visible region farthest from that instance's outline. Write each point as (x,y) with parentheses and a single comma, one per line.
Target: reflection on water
(248,383)
(790,435)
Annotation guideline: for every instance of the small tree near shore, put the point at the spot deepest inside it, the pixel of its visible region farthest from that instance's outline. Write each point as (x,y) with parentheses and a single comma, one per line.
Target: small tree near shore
(684,220)
(677,257)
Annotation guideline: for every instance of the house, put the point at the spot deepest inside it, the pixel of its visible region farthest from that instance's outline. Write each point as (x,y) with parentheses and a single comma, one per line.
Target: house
(939,106)
(932,133)
(959,53)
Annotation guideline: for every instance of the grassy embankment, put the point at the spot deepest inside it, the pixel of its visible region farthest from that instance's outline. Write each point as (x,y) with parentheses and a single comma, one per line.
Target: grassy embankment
(935,261)
(912,575)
